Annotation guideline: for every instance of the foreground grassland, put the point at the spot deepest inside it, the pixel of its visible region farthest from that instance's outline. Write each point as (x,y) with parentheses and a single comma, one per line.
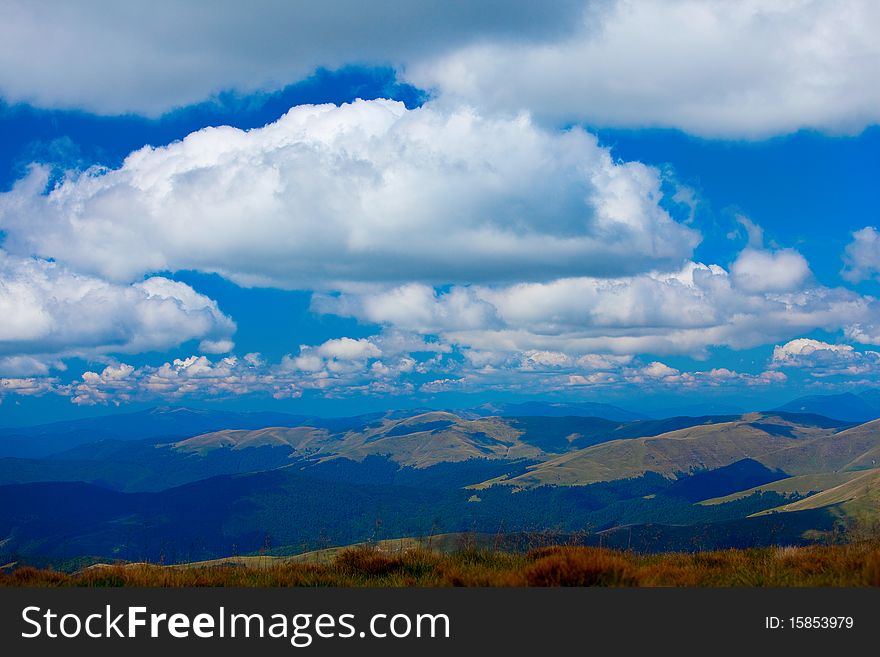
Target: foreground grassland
(843,565)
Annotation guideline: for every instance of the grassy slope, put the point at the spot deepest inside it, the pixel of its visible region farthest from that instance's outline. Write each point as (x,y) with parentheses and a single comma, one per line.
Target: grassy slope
(857,497)
(848,449)
(299,439)
(845,565)
(419,441)
(686,450)
(776,442)
(427,439)
(801,485)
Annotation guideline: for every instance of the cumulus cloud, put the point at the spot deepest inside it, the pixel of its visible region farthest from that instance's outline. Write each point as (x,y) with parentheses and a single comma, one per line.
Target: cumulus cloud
(862,256)
(349,349)
(760,270)
(48,312)
(658,370)
(149,57)
(363,192)
(338,367)
(30,386)
(823,359)
(682,312)
(660,375)
(712,68)
(431,369)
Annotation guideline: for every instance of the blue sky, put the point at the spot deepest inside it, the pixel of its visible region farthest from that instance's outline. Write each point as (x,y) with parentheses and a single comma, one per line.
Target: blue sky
(653,232)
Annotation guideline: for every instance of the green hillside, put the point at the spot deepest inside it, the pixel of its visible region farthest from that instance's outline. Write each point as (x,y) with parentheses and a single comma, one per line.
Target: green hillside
(679,483)
(673,454)
(850,449)
(800,485)
(303,440)
(859,497)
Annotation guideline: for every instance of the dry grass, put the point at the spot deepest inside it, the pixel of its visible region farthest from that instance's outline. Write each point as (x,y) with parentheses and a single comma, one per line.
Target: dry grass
(843,565)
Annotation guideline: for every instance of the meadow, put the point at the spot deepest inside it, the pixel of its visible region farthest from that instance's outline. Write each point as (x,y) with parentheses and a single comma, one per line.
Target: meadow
(855,564)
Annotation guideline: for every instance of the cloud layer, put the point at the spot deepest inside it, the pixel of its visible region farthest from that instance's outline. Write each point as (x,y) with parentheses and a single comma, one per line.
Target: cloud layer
(713,68)
(55,54)
(381,371)
(709,67)
(682,312)
(366,192)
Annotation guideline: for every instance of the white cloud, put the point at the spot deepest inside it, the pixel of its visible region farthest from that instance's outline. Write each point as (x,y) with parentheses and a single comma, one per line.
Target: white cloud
(683,312)
(792,351)
(349,349)
(200,377)
(709,67)
(862,255)
(216,346)
(117,57)
(337,367)
(540,360)
(413,307)
(48,312)
(760,270)
(28,365)
(754,232)
(30,386)
(660,375)
(822,359)
(369,191)
(658,370)
(863,333)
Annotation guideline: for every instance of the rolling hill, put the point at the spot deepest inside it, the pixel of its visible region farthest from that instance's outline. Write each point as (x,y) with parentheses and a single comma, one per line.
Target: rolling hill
(676,454)
(799,486)
(858,497)
(162,423)
(646,484)
(851,449)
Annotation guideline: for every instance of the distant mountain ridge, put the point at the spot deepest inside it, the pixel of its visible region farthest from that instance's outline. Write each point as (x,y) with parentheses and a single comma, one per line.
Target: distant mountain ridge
(846,406)
(559,409)
(168,484)
(164,422)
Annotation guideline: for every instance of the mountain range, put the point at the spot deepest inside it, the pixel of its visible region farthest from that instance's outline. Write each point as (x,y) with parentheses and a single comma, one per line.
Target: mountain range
(846,406)
(173,484)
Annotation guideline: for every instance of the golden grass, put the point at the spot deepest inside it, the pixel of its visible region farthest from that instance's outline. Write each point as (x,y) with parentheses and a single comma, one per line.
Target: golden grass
(842,565)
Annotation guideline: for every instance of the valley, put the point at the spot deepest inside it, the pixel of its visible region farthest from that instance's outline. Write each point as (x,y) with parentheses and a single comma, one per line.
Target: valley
(307,484)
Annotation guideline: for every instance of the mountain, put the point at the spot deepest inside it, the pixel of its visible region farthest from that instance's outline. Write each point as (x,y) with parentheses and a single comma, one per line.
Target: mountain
(857,498)
(165,423)
(419,441)
(560,409)
(652,484)
(845,406)
(678,453)
(799,486)
(698,408)
(871,396)
(289,512)
(855,448)
(376,448)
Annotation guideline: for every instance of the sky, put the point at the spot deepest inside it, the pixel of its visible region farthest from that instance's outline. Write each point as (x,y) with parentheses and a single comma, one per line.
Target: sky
(337,207)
